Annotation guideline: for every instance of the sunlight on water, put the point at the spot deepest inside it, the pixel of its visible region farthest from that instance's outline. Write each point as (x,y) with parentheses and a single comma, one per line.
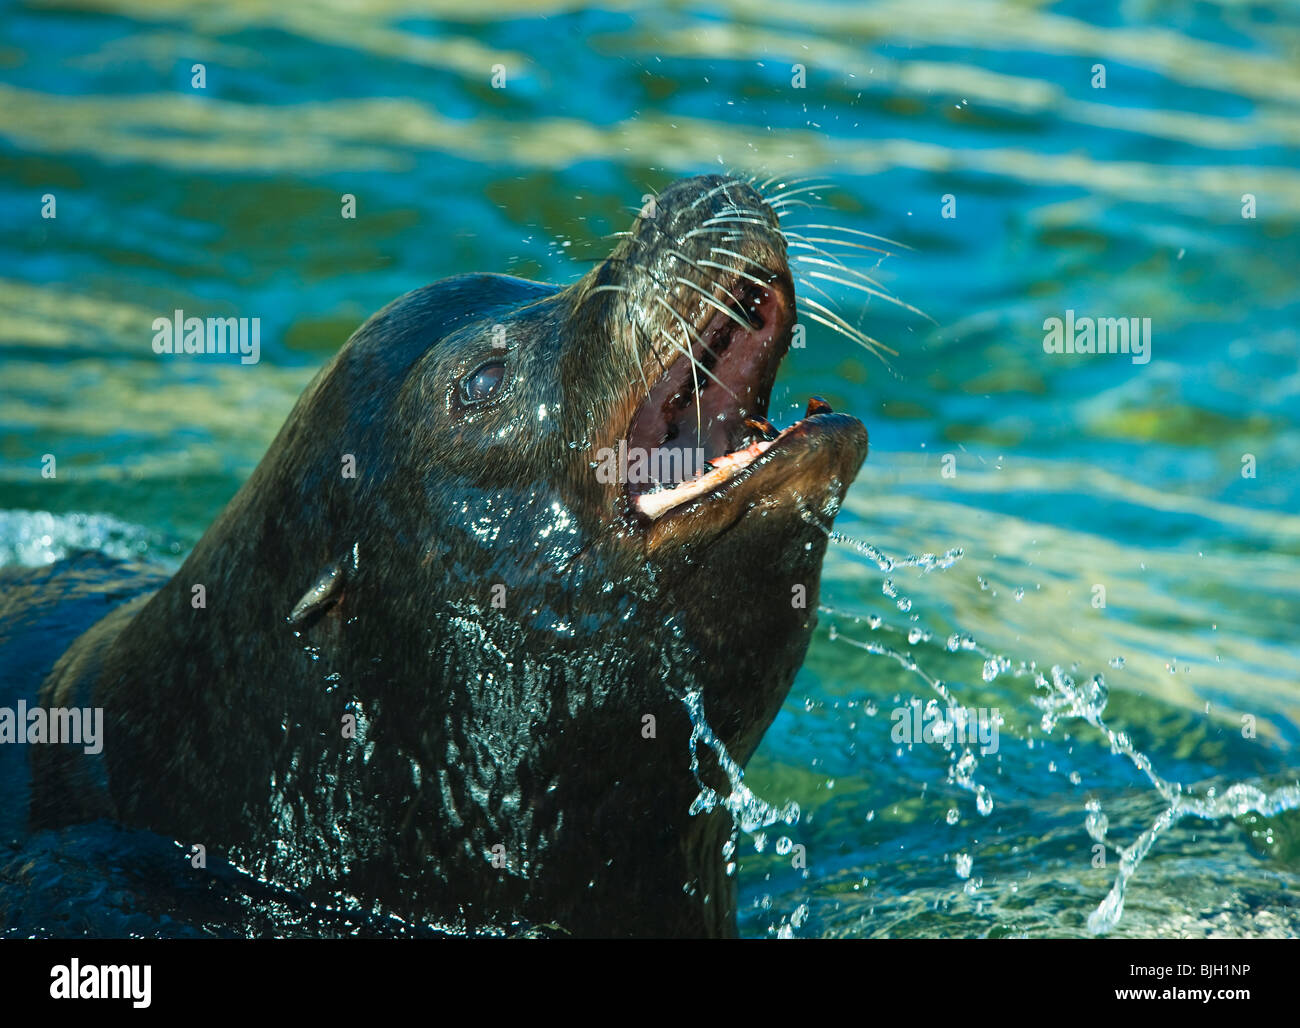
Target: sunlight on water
(34,538)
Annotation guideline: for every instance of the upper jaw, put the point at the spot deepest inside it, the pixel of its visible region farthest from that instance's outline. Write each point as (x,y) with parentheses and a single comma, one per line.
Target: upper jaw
(713,418)
(708,408)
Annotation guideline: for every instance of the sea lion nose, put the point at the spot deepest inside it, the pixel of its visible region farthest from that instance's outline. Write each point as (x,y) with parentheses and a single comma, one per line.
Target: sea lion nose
(723,200)
(709,205)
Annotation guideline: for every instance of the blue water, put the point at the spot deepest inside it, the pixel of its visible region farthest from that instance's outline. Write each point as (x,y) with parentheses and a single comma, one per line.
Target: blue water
(1051,473)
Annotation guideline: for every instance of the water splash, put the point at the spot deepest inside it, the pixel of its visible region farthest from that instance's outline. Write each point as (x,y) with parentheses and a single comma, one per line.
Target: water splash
(1087,702)
(926,562)
(964,764)
(1060,698)
(749,813)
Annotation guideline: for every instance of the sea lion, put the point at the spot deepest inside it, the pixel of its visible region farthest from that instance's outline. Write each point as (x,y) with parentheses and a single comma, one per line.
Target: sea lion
(443,658)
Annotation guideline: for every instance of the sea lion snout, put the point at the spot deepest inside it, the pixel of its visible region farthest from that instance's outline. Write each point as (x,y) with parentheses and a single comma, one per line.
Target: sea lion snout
(698,306)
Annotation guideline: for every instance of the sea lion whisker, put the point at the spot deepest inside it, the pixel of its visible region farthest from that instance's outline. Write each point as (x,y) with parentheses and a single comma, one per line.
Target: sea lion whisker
(830,297)
(715,191)
(871,292)
(692,334)
(736,271)
(663,370)
(837,242)
(845,329)
(727,234)
(636,350)
(834,263)
(816,187)
(787,182)
(681,256)
(830,311)
(852,285)
(708,298)
(712,278)
(733,209)
(798,242)
(813,316)
(741,256)
(830,260)
(780,205)
(855,232)
(731,220)
(695,381)
(608,288)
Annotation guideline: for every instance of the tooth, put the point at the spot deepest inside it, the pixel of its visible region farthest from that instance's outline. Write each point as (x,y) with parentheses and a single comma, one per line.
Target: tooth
(816,405)
(761,425)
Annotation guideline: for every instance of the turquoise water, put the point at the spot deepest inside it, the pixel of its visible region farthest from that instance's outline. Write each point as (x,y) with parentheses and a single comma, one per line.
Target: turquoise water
(1052,474)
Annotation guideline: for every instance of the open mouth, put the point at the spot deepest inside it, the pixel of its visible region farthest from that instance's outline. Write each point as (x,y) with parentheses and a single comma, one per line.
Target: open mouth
(704,423)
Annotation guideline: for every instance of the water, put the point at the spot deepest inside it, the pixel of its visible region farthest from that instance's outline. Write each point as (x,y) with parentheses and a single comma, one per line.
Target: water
(1033,478)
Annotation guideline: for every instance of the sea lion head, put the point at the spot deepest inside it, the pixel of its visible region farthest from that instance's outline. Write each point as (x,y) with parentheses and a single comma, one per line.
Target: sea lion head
(601,454)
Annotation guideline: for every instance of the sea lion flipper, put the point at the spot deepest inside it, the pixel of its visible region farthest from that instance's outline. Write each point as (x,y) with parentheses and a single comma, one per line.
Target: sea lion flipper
(324,593)
(319,598)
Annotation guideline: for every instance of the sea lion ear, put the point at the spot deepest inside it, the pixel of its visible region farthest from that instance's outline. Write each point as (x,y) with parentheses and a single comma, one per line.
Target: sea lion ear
(327,591)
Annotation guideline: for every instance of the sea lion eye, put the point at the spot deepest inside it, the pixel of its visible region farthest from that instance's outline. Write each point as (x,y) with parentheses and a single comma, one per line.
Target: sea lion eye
(482,382)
